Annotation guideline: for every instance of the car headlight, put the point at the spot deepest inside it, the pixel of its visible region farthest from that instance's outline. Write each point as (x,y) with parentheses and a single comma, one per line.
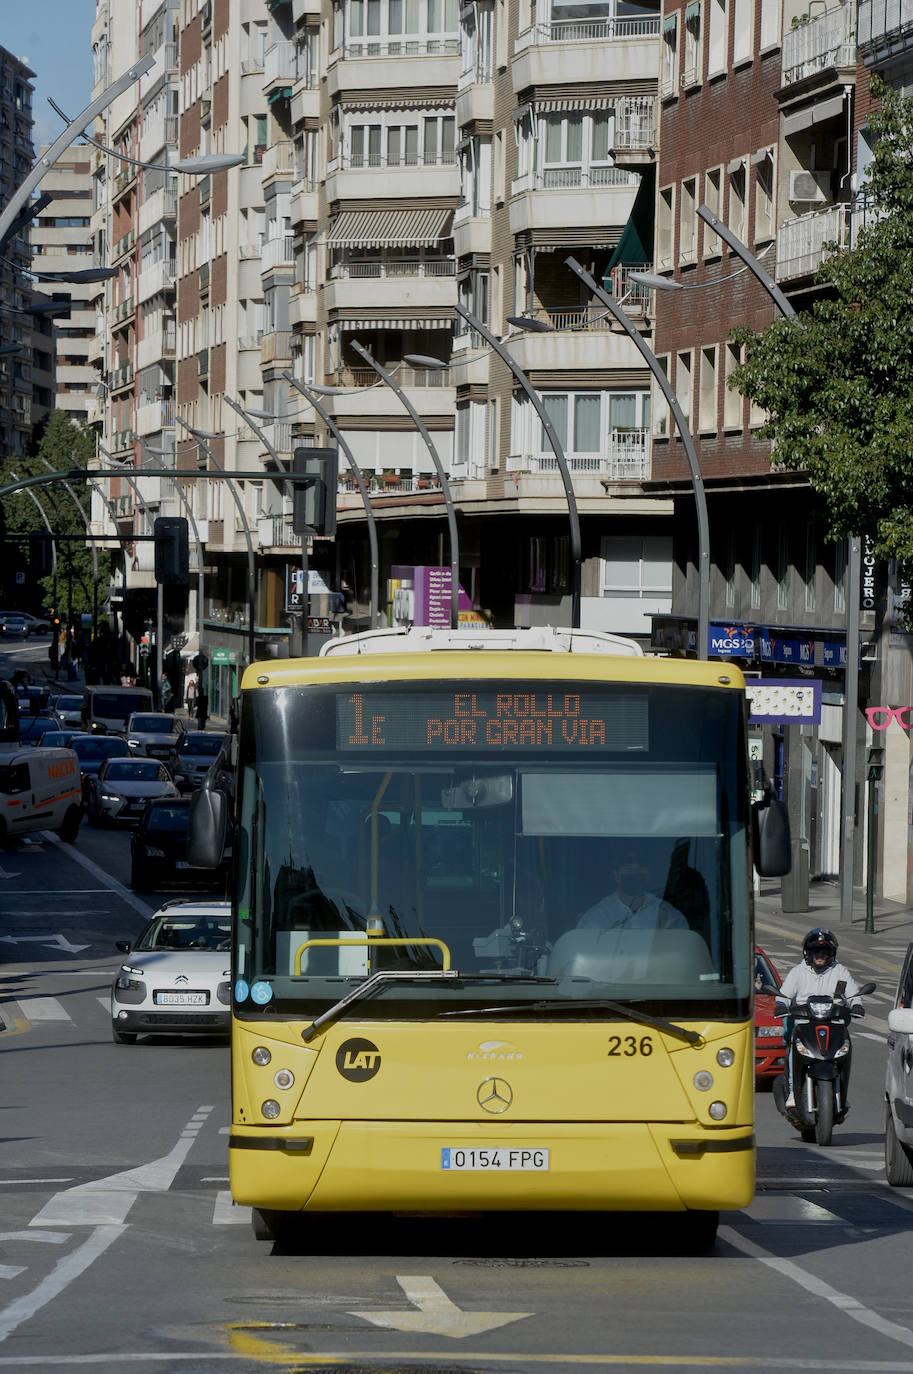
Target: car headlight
(223,994)
(125,984)
(129,970)
(133,743)
(763,1032)
(111,796)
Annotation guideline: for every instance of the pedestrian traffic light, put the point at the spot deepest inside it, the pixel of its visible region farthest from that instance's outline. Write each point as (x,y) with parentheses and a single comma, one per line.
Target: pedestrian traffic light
(172,553)
(314,503)
(41,555)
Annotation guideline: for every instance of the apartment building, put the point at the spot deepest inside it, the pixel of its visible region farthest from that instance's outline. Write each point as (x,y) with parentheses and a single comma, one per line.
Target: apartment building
(19,379)
(61,243)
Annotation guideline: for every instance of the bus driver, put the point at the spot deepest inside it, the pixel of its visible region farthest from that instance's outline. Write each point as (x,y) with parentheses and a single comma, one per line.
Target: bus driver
(632,906)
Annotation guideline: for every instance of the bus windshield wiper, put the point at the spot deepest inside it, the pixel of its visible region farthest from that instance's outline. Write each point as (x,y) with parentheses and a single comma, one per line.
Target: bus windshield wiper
(371,985)
(590,1004)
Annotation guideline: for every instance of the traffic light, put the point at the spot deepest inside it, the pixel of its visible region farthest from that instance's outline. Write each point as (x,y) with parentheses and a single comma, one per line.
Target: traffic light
(41,556)
(314,505)
(172,552)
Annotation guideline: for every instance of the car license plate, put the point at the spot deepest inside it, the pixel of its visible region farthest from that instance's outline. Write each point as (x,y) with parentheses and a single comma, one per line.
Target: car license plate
(182,999)
(182,863)
(458,1157)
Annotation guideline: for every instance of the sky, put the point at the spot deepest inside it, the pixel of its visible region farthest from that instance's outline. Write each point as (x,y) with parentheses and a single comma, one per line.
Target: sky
(55,38)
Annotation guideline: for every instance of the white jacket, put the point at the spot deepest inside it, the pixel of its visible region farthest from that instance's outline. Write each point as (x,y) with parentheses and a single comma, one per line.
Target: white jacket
(803,982)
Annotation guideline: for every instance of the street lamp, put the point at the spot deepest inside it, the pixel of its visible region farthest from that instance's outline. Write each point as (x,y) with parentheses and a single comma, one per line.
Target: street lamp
(309,393)
(539,327)
(200,437)
(439,469)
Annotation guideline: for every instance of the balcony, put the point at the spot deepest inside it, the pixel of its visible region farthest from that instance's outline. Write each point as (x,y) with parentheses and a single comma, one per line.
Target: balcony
(801,242)
(120,377)
(161,205)
(424,63)
(276,347)
(573,51)
(153,416)
(203,362)
(820,44)
(155,277)
(636,132)
(395,284)
(362,176)
(277,252)
(157,134)
(884,29)
(279,160)
(157,344)
(123,310)
(122,440)
(626,459)
(562,196)
(584,338)
(280,66)
(124,245)
(276,532)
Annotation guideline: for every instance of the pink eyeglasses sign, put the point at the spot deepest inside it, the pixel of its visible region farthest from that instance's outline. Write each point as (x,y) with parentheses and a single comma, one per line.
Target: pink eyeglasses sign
(880,717)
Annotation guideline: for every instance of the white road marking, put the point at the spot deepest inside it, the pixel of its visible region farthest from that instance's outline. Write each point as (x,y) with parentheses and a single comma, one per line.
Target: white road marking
(61,1276)
(37,1237)
(437,1315)
(787,1207)
(851,1306)
(227,1213)
(9,876)
(50,941)
(107,1201)
(868,1035)
(42,1009)
(110,884)
(11,1271)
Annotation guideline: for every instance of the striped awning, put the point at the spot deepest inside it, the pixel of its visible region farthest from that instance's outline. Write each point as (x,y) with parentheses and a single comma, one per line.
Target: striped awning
(388,228)
(573,103)
(405,322)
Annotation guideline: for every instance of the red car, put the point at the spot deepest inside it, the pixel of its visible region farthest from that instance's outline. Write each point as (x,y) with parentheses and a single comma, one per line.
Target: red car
(768,1029)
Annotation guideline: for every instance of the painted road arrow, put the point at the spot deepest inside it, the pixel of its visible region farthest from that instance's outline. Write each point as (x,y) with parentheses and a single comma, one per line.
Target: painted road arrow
(437,1315)
(49,941)
(7,876)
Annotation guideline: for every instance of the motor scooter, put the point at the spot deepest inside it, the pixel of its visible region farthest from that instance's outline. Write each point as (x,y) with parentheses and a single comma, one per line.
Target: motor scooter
(821,1053)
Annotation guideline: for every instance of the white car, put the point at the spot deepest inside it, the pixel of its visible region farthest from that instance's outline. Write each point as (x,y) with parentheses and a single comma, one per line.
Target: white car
(154,733)
(68,710)
(898,1108)
(176,976)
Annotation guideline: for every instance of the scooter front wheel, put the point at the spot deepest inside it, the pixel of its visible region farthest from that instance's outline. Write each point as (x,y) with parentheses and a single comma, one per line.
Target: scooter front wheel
(824,1112)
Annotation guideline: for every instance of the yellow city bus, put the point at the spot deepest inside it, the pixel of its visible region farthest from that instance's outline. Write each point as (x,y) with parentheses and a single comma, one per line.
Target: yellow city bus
(436,1005)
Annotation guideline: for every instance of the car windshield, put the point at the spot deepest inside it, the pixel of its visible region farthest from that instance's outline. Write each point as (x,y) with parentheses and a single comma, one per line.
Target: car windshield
(118,705)
(203,745)
(186,932)
(172,819)
(68,704)
(55,739)
(152,725)
(135,770)
(506,841)
(98,747)
(34,727)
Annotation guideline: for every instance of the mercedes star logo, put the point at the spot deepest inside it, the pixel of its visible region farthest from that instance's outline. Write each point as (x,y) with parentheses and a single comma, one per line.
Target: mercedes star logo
(494,1095)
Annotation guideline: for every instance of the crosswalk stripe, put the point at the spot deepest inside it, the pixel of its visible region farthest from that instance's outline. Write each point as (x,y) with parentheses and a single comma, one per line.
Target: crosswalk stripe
(43,1009)
(226,1213)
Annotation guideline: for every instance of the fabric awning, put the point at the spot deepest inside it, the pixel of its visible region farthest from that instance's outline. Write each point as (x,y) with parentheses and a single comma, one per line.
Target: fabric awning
(558,104)
(813,114)
(389,228)
(394,322)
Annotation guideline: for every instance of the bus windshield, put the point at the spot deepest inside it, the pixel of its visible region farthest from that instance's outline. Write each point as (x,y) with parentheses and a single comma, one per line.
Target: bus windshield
(557,842)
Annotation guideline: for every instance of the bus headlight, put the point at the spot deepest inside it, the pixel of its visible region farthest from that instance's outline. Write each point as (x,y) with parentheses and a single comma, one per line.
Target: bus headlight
(261,1056)
(703,1080)
(283,1078)
(725,1058)
(717,1110)
(270,1109)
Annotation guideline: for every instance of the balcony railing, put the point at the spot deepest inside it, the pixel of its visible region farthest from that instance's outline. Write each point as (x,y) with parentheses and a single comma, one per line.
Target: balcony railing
(277,252)
(418,378)
(419,159)
(801,242)
(591,30)
(627,458)
(566,178)
(155,277)
(384,271)
(402,47)
(121,376)
(279,159)
(883,20)
(827,40)
(280,63)
(635,123)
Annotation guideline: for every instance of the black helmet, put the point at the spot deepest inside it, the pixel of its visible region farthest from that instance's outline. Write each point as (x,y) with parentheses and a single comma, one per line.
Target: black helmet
(819,940)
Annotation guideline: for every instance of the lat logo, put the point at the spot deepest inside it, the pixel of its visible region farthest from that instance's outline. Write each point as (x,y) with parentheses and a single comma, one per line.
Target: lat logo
(358,1060)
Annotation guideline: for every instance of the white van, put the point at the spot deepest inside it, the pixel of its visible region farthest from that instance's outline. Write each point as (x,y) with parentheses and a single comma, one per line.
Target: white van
(106,710)
(40,789)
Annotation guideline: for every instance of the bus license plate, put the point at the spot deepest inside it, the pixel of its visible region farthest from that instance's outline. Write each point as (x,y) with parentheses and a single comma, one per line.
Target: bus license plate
(456,1157)
(181,999)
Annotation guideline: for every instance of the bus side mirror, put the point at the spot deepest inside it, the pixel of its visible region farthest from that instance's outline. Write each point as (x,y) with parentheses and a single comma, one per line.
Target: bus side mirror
(770,837)
(208,828)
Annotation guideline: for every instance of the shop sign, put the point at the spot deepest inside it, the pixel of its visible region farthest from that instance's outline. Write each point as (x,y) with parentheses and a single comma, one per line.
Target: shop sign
(781,701)
(224,656)
(774,649)
(730,641)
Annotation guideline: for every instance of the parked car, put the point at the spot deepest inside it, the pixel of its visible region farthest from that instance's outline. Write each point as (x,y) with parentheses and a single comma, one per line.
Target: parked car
(176,978)
(92,750)
(32,729)
(38,624)
(14,626)
(122,786)
(194,756)
(154,733)
(898,1088)
(769,1062)
(158,848)
(69,710)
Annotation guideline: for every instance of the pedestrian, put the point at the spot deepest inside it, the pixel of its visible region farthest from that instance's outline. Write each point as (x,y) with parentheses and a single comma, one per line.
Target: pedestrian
(190,695)
(202,709)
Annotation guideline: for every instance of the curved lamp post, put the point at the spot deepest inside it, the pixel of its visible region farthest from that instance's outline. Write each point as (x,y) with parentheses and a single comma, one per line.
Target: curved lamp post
(334,429)
(697,481)
(94,543)
(557,448)
(200,437)
(179,492)
(439,469)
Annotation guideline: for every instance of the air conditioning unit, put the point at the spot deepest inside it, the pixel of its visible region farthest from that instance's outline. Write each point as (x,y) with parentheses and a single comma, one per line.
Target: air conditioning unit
(810,188)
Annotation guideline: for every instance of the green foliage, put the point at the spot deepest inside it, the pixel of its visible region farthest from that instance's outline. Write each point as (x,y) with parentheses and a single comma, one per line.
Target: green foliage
(64,445)
(838,392)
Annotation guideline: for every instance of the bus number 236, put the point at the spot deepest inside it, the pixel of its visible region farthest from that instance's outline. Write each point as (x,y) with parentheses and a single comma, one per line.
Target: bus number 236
(629,1045)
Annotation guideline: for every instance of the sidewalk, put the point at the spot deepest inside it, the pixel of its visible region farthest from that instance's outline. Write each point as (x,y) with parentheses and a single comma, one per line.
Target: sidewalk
(882,951)
(43,673)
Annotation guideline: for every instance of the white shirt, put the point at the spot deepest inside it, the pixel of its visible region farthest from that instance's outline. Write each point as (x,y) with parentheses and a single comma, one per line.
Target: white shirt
(611,913)
(803,981)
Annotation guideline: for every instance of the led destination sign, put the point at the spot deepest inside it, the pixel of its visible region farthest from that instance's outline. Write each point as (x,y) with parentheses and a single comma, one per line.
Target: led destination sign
(449,719)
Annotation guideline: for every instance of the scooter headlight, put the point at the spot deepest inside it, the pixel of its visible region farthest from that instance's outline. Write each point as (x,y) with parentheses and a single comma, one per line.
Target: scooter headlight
(844,1049)
(820,1008)
(803,1049)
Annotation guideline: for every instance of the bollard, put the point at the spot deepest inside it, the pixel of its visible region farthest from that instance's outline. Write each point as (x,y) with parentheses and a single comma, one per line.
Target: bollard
(794,886)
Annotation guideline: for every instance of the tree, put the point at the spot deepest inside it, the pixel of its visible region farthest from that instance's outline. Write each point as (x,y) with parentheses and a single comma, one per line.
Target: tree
(837,385)
(64,444)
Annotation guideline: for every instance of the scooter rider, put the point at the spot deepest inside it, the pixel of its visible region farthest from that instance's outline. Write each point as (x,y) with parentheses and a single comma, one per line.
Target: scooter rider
(817,975)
